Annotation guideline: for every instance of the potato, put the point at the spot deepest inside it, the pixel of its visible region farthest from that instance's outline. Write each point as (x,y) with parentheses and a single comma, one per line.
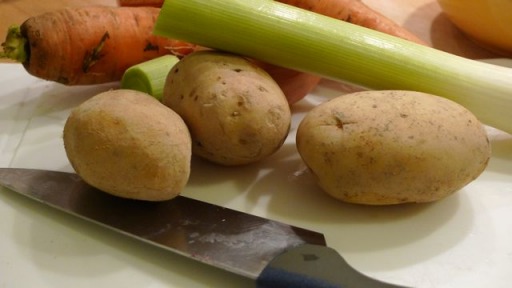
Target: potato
(390,147)
(235,111)
(128,144)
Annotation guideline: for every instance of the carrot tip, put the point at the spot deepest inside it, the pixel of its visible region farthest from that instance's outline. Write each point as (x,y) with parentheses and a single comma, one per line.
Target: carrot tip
(14,45)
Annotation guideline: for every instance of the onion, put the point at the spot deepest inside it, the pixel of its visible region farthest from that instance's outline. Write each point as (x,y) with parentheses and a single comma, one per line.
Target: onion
(488,22)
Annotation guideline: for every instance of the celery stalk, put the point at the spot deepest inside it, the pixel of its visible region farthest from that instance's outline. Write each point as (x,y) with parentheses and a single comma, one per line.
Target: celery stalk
(294,38)
(149,76)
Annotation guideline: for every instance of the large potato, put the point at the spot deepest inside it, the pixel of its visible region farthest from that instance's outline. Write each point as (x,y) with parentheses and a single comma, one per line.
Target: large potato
(235,111)
(389,147)
(128,144)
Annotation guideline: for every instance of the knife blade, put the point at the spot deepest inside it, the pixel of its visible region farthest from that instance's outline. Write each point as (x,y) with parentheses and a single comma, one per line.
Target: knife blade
(272,253)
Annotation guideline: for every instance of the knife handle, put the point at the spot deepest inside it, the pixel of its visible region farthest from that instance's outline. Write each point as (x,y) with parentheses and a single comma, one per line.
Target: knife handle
(316,266)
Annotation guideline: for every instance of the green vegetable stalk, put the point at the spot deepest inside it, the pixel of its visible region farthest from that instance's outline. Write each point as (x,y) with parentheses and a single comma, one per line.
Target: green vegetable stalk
(149,76)
(298,39)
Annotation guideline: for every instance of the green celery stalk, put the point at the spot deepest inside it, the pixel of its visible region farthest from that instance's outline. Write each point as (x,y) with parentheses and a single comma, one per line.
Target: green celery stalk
(298,39)
(149,76)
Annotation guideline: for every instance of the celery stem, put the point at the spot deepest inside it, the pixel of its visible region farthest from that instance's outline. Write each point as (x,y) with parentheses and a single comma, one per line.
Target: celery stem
(298,39)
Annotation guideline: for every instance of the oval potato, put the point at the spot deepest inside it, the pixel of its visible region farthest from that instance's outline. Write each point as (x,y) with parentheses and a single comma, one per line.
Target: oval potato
(128,144)
(235,111)
(390,147)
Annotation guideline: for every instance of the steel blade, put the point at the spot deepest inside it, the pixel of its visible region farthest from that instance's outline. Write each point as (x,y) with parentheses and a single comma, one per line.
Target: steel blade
(231,240)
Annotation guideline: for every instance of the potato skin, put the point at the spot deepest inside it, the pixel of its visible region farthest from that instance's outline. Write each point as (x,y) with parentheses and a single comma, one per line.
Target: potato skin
(128,144)
(390,147)
(235,111)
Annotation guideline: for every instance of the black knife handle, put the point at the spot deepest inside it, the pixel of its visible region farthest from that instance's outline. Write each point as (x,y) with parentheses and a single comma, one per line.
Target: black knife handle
(308,266)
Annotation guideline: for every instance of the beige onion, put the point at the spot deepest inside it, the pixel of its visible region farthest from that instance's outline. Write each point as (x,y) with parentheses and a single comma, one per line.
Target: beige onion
(488,22)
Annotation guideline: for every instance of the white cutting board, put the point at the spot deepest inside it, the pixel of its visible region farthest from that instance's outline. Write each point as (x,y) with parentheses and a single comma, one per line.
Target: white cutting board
(464,240)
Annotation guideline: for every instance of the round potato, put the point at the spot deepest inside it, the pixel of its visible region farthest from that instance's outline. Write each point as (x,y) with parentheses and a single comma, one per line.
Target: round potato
(390,147)
(235,111)
(128,144)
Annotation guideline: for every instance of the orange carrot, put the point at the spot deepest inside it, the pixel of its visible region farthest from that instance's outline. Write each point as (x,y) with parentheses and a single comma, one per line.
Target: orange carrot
(88,45)
(355,12)
(296,85)
(137,3)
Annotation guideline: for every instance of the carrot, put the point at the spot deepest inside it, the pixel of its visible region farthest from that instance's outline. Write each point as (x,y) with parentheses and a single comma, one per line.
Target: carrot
(352,11)
(88,45)
(136,3)
(296,85)
(355,12)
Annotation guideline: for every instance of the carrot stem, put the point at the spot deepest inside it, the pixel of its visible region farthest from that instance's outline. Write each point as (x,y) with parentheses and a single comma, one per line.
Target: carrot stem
(14,45)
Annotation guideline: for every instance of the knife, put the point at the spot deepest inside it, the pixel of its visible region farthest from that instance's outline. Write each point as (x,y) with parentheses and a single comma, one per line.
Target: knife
(272,253)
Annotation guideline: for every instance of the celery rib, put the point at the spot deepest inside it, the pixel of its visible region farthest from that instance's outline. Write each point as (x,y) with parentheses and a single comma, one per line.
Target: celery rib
(150,76)
(294,38)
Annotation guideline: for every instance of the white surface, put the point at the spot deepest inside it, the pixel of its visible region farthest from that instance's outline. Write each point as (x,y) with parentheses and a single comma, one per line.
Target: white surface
(462,241)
